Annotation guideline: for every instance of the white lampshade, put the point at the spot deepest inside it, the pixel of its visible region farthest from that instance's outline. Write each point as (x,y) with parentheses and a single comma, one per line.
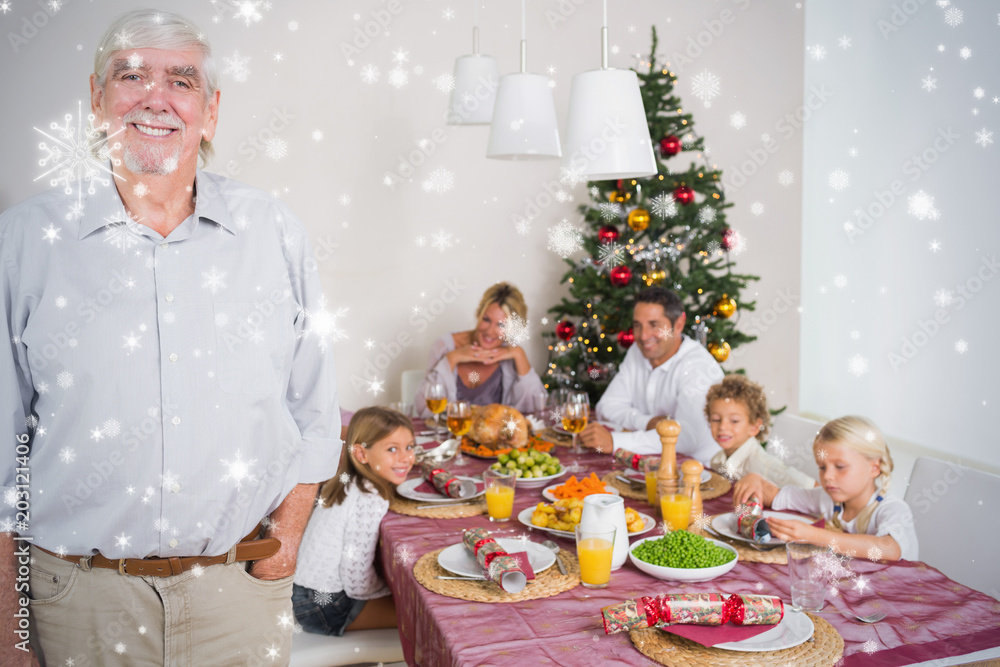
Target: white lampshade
(476,80)
(606,132)
(524,120)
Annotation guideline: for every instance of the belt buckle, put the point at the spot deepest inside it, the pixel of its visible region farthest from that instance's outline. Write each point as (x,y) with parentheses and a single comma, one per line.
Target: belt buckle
(121,566)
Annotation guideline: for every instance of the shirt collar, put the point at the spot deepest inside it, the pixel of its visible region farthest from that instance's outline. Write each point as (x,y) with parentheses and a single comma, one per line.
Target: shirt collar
(736,461)
(666,365)
(105,206)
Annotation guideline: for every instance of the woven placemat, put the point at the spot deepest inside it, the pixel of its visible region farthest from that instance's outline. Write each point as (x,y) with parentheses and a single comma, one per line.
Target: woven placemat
(409,508)
(714,488)
(544,585)
(747,553)
(673,651)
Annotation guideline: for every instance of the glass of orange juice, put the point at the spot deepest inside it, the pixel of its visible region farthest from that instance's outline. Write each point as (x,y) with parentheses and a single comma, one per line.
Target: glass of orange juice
(650,470)
(499,494)
(594,548)
(676,509)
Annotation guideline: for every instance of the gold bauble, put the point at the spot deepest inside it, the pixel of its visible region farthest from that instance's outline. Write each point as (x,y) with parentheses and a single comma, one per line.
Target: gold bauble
(654,277)
(725,307)
(616,197)
(720,351)
(638,219)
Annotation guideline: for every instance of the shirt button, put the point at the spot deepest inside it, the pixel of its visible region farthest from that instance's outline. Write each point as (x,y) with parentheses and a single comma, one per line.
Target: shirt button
(175,421)
(174,543)
(169,297)
(165,246)
(173,357)
(176,488)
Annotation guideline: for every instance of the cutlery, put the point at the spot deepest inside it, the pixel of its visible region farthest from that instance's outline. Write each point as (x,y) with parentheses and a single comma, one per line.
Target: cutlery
(549,544)
(530,581)
(631,482)
(464,502)
(870,618)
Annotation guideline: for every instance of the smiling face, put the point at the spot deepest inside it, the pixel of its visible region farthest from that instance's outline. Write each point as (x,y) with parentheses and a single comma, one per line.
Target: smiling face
(844,473)
(657,337)
(730,423)
(391,457)
(158,100)
(490,327)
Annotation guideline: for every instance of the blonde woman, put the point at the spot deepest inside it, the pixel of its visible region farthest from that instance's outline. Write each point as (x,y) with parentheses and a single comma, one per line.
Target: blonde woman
(481,365)
(854,470)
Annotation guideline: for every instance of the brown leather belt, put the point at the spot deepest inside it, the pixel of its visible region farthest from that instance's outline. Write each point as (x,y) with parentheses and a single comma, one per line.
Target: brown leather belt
(247,549)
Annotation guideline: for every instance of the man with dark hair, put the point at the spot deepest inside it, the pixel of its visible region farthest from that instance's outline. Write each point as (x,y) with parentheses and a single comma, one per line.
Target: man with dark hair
(664,374)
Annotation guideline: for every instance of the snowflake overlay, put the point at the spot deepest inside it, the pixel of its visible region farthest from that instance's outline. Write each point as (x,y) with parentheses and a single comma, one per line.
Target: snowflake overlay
(705,86)
(565,238)
(514,330)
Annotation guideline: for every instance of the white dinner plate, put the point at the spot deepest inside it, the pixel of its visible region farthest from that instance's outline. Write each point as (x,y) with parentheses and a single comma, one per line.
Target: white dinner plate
(640,478)
(408,490)
(725,524)
(548,494)
(794,628)
(649,523)
(535,482)
(459,560)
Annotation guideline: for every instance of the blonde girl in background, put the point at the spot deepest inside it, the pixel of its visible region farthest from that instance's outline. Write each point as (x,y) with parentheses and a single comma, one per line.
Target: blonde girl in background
(854,471)
(336,587)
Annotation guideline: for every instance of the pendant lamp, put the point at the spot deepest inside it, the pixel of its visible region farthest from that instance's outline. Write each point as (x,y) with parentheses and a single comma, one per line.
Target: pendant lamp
(607,136)
(524,123)
(476,81)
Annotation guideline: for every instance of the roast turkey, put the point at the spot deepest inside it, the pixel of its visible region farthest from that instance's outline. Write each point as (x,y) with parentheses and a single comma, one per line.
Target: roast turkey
(498,426)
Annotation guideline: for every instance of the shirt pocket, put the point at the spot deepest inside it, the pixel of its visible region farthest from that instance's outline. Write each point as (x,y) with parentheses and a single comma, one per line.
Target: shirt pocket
(253,342)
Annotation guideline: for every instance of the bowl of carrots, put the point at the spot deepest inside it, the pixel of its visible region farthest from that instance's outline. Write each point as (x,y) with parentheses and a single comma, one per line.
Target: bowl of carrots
(578,488)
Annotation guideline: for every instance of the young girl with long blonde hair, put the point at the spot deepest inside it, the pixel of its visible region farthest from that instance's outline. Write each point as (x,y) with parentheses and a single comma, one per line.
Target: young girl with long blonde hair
(854,471)
(336,586)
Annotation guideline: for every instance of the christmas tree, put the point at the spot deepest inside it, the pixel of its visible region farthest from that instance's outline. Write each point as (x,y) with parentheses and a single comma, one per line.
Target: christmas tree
(668,229)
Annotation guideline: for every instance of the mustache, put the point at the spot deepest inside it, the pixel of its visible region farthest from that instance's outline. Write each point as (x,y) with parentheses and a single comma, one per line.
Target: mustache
(146,117)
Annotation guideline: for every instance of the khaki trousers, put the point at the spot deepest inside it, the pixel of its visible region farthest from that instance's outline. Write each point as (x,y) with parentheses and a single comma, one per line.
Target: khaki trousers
(220,616)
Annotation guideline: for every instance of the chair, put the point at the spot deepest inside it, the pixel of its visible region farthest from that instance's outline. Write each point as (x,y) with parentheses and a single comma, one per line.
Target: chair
(796,435)
(358,646)
(954,518)
(410,382)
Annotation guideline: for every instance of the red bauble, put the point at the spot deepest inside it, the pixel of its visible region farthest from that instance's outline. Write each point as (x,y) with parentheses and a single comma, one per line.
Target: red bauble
(730,238)
(620,183)
(607,234)
(670,145)
(626,338)
(620,276)
(683,194)
(565,330)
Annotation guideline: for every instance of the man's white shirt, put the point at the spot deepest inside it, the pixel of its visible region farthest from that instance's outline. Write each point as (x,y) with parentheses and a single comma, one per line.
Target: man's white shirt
(675,389)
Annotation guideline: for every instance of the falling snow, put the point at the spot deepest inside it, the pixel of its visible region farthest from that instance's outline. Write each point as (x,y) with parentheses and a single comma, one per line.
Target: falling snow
(565,238)
(440,181)
(786,177)
(236,67)
(370,74)
(984,137)
(921,206)
(943,298)
(961,346)
(398,77)
(213,280)
(965,52)
(442,240)
(611,254)
(929,83)
(706,215)
(738,120)
(705,86)
(874,553)
(444,82)
(78,154)
(857,365)
(514,330)
(238,470)
(817,52)
(953,16)
(323,324)
(869,647)
(276,148)
(67,455)
(757,208)
(844,42)
(65,380)
(610,210)
(247,10)
(839,179)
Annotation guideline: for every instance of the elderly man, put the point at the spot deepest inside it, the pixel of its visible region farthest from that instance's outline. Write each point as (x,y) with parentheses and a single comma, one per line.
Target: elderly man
(664,374)
(167,387)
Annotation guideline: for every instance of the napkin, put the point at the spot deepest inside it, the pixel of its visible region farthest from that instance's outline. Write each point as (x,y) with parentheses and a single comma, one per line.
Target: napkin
(498,565)
(710,635)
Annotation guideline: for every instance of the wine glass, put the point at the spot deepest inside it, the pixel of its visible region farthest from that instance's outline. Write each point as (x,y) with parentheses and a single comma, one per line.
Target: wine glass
(437,401)
(459,423)
(574,419)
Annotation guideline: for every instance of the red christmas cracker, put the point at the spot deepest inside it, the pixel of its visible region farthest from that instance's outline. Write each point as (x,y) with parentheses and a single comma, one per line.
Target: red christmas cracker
(498,566)
(692,609)
(446,483)
(627,459)
(750,522)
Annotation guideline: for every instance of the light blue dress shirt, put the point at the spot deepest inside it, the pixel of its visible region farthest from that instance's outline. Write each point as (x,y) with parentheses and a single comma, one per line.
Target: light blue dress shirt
(174,390)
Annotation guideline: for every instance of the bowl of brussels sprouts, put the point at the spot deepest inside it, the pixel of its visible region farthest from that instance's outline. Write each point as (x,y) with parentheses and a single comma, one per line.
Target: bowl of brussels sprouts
(682,556)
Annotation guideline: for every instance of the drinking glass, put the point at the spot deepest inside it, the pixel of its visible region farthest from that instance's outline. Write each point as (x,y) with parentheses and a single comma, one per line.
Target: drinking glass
(405,409)
(459,423)
(576,410)
(594,548)
(650,471)
(499,494)
(806,572)
(676,510)
(437,401)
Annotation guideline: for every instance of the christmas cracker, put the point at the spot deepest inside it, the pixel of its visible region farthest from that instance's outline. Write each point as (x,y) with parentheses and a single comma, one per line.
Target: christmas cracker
(498,566)
(692,609)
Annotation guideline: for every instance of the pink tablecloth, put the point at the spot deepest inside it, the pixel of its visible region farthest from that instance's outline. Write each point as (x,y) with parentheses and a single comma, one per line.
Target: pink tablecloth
(929,615)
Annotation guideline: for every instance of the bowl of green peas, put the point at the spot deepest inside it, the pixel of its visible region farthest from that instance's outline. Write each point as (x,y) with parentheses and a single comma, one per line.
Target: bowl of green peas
(682,556)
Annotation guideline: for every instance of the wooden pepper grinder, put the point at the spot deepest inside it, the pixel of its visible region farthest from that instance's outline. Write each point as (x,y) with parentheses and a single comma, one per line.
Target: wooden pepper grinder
(691,470)
(666,480)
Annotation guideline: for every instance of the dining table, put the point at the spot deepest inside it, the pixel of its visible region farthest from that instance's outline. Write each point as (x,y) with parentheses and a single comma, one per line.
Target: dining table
(927,615)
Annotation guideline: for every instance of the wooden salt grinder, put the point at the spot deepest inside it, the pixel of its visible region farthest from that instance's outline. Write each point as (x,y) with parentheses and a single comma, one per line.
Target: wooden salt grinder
(692,485)
(666,480)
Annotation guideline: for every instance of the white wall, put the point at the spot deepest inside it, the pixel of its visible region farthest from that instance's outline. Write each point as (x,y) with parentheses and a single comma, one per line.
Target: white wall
(924,390)
(376,270)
